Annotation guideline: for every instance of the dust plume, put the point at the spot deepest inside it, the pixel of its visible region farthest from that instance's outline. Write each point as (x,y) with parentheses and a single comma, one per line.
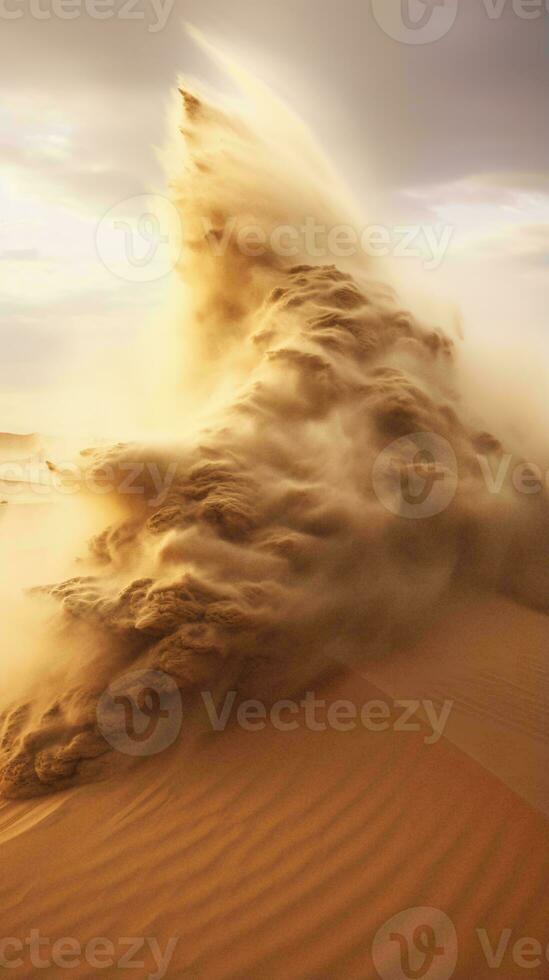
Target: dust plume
(272,544)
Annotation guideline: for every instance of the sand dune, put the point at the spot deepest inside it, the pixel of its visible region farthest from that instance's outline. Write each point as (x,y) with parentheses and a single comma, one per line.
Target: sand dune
(489,658)
(21,445)
(279,855)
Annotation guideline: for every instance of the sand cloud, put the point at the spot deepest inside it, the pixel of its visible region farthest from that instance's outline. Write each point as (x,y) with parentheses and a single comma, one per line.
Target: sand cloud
(268,560)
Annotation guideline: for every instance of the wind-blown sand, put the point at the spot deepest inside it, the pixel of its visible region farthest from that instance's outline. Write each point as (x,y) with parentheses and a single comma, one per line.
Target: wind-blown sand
(268,551)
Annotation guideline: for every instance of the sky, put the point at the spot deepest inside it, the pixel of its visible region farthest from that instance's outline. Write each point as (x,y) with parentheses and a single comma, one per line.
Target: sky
(451,132)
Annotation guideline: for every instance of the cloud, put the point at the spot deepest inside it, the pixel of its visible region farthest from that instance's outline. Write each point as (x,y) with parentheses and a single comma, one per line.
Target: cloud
(501,217)
(75,171)
(20,255)
(499,188)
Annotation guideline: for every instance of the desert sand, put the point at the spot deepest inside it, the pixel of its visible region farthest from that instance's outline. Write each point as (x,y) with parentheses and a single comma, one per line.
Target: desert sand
(274,561)
(279,854)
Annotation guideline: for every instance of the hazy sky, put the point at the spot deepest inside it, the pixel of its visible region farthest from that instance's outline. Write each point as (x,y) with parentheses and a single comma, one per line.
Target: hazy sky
(452,131)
